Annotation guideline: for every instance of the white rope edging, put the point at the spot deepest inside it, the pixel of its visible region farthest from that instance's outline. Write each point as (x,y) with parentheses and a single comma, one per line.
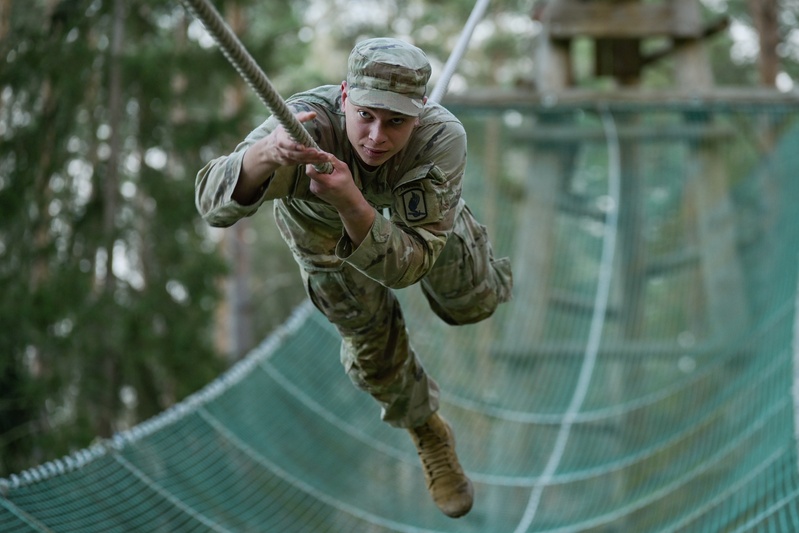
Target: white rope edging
(188,406)
(795,388)
(460,49)
(597,323)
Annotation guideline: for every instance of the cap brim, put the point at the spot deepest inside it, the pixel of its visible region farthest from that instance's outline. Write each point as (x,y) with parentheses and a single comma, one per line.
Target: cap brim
(385,100)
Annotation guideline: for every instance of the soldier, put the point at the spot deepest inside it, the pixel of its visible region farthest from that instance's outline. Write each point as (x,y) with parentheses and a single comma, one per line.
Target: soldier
(390,149)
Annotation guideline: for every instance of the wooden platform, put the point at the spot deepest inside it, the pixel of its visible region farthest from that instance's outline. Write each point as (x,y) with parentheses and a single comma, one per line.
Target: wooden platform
(584,98)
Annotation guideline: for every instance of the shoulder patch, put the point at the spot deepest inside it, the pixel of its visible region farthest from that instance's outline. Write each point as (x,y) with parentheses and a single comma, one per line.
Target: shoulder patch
(413,200)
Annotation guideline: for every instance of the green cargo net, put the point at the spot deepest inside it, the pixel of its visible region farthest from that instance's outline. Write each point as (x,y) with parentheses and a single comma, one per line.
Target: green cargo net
(641,379)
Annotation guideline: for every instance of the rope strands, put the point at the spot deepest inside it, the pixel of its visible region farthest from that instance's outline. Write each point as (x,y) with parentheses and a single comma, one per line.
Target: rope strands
(243,62)
(240,58)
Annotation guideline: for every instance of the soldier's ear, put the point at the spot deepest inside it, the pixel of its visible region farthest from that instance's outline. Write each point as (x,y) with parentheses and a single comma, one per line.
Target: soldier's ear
(424,101)
(343,96)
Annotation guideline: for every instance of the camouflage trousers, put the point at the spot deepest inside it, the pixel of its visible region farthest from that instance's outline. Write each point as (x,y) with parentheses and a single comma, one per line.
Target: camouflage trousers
(465,285)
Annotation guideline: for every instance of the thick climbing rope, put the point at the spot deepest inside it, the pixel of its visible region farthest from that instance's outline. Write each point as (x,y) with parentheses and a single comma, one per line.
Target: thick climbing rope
(243,62)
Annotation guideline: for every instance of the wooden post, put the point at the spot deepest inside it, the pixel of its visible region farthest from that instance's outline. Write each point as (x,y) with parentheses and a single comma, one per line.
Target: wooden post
(764,17)
(552,64)
(725,304)
(693,70)
(632,251)
(534,246)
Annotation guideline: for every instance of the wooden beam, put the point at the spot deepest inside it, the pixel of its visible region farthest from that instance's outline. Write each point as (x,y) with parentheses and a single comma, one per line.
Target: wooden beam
(627,133)
(576,18)
(493,98)
(710,30)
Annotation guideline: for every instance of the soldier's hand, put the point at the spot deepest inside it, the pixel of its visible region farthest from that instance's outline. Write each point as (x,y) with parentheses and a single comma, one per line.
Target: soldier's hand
(339,190)
(281,149)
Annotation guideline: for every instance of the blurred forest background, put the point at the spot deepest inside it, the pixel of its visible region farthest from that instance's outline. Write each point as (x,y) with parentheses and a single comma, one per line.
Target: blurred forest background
(116,299)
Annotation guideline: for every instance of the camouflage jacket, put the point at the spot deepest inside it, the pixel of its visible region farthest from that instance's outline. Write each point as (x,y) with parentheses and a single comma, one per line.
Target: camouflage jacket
(420,186)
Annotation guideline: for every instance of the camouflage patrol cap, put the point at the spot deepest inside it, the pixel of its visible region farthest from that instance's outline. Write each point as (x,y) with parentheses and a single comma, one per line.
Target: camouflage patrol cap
(388,74)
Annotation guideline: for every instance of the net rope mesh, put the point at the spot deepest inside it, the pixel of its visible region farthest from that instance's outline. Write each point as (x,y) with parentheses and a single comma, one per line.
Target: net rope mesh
(640,380)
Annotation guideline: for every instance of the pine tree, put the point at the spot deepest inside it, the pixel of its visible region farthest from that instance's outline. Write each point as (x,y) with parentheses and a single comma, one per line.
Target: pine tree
(109,277)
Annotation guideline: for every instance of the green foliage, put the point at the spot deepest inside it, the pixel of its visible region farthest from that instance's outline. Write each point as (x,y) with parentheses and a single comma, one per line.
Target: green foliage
(109,295)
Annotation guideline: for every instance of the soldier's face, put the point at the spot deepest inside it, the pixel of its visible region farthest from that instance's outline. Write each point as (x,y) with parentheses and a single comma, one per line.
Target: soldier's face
(376,134)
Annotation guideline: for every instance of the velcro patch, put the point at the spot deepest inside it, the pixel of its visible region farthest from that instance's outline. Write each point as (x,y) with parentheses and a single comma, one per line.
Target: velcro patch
(413,200)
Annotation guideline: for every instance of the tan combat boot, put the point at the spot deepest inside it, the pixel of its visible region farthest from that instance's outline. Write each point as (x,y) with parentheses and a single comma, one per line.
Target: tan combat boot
(448,485)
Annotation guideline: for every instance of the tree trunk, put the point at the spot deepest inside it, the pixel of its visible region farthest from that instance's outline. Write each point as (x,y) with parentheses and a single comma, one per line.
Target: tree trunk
(694,71)
(110,365)
(5,17)
(764,19)
(240,307)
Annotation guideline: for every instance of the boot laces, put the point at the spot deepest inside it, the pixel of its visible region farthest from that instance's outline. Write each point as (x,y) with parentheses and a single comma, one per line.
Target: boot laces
(434,451)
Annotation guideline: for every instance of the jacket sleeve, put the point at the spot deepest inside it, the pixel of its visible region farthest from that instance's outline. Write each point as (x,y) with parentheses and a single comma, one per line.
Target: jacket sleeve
(217,179)
(400,251)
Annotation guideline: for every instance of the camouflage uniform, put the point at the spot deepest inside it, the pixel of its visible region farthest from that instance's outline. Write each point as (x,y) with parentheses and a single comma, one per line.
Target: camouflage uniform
(431,237)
